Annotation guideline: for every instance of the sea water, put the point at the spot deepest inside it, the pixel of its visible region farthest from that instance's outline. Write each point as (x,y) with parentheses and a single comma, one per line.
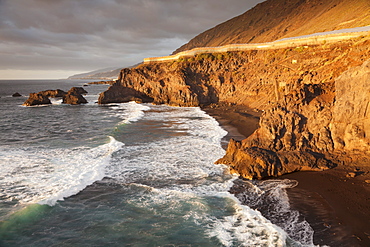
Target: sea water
(128,175)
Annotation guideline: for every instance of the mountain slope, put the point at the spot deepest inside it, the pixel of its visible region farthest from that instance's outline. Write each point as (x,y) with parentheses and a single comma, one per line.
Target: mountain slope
(101,74)
(276,19)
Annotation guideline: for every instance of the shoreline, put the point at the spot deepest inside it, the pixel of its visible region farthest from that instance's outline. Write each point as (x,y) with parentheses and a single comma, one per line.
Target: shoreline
(336,205)
(238,121)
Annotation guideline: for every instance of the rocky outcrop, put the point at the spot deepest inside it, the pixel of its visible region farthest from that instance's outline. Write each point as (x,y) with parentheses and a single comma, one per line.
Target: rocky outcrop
(308,130)
(253,162)
(74,99)
(53,93)
(37,99)
(16,94)
(74,96)
(119,94)
(77,90)
(102,82)
(256,78)
(163,84)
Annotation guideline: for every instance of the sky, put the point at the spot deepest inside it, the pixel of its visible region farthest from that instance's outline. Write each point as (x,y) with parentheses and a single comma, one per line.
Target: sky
(54,39)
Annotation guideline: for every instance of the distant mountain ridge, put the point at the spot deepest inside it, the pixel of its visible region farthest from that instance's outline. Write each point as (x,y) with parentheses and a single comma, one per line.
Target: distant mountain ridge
(277,19)
(101,74)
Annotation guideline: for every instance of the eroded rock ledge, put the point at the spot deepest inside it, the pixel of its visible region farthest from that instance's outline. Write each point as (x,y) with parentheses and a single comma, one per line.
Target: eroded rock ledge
(314,98)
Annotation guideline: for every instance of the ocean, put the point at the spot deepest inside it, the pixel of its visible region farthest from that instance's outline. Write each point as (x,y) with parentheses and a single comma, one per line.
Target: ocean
(128,175)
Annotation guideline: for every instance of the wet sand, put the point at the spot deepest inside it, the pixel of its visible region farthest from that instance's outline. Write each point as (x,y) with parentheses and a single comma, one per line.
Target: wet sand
(336,205)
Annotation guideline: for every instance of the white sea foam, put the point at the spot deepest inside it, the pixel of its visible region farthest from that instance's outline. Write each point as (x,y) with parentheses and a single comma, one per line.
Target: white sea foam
(274,193)
(130,112)
(47,175)
(42,175)
(246,227)
(91,98)
(180,157)
(177,171)
(219,214)
(180,171)
(56,101)
(193,121)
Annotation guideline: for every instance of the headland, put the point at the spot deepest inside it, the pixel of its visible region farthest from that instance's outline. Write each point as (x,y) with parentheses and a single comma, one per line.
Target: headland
(310,102)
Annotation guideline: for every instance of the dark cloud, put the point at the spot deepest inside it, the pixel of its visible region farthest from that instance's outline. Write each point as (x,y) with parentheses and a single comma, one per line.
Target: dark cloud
(90,34)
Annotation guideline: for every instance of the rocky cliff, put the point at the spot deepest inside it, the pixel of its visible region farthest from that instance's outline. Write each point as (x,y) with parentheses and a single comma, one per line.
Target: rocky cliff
(314,100)
(276,19)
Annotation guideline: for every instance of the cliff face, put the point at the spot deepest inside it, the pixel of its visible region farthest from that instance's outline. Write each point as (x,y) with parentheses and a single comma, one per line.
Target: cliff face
(314,98)
(276,19)
(351,118)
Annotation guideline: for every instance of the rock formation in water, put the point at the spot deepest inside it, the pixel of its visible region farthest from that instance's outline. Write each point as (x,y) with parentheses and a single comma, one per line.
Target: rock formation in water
(119,94)
(102,82)
(37,99)
(16,94)
(53,93)
(74,96)
(77,90)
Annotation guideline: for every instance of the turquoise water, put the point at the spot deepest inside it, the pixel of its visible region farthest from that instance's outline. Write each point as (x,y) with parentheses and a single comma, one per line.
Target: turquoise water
(127,175)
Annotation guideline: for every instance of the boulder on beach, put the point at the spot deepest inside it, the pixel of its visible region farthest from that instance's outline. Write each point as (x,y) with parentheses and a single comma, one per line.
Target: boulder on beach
(37,99)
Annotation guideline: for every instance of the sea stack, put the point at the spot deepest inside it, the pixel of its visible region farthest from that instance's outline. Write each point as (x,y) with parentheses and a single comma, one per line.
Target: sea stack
(74,96)
(16,94)
(37,99)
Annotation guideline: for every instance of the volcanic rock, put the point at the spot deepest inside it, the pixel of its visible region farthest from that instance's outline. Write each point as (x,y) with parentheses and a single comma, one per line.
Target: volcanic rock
(53,93)
(77,90)
(303,125)
(350,127)
(74,99)
(101,82)
(120,94)
(74,96)
(258,163)
(37,99)
(16,94)
(308,129)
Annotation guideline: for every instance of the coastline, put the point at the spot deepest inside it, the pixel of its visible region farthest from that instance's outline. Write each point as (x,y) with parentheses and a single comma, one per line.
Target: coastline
(335,205)
(238,121)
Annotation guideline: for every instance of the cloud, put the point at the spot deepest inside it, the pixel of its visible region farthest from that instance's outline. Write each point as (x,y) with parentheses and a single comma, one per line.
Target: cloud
(85,35)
